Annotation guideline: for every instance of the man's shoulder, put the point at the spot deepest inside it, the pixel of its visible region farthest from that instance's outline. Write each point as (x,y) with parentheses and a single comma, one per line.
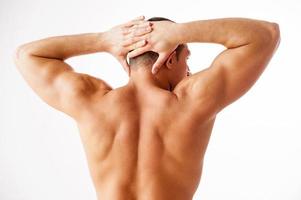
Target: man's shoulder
(96,83)
(182,88)
(201,91)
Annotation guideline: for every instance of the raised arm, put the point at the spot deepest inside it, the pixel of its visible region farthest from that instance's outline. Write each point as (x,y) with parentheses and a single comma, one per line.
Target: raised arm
(42,65)
(250,45)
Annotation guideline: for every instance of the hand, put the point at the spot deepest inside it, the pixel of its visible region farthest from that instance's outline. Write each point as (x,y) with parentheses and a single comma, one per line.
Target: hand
(161,40)
(126,37)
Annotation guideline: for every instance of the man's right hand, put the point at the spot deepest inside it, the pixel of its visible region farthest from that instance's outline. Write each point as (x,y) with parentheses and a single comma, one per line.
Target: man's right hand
(161,40)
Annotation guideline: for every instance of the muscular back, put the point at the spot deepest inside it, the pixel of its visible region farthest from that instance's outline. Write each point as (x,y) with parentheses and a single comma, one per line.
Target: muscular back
(149,143)
(144,145)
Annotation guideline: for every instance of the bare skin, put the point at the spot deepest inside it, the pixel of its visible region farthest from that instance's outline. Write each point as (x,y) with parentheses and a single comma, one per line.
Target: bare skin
(147,139)
(141,149)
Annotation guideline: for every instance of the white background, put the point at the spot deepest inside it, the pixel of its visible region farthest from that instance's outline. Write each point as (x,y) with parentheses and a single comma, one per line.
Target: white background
(254,151)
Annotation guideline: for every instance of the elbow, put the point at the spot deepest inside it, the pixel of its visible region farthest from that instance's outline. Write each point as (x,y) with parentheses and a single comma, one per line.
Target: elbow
(269,37)
(275,31)
(274,34)
(21,53)
(17,56)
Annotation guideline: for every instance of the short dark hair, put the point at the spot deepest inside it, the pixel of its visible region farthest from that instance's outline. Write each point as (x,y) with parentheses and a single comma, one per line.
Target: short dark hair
(150,57)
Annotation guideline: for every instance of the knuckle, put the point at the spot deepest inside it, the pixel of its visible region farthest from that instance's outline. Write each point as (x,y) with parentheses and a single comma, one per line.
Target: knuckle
(142,42)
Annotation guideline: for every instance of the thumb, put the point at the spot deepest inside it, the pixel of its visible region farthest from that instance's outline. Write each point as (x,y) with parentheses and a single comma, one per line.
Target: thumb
(160,61)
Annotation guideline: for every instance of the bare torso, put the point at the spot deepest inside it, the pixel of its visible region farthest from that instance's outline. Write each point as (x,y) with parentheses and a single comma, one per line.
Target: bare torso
(149,143)
(144,146)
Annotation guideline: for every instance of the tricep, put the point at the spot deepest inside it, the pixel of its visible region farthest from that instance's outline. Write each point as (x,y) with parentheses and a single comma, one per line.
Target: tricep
(55,82)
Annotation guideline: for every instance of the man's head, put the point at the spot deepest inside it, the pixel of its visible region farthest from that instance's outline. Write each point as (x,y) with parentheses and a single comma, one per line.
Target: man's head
(175,67)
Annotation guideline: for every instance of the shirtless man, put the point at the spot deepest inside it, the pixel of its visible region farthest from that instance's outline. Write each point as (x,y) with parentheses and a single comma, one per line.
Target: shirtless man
(147,139)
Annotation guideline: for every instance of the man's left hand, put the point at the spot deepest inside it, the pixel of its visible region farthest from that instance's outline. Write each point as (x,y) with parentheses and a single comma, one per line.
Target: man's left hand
(126,37)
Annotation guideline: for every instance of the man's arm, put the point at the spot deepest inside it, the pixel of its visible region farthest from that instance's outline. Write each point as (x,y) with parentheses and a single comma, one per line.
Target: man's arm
(42,65)
(250,45)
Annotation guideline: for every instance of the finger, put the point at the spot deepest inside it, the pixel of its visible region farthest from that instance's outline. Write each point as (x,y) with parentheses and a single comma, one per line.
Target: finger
(135,21)
(145,26)
(136,45)
(140,35)
(130,41)
(139,51)
(141,17)
(142,31)
(158,64)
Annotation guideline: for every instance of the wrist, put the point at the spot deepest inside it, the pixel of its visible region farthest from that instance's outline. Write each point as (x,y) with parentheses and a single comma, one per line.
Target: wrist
(103,43)
(180,33)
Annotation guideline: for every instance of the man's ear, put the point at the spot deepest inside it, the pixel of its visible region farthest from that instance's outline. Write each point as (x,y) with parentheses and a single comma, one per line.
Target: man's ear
(170,60)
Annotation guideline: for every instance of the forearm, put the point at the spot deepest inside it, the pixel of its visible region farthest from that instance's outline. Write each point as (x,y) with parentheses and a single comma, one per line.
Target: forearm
(230,32)
(63,47)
